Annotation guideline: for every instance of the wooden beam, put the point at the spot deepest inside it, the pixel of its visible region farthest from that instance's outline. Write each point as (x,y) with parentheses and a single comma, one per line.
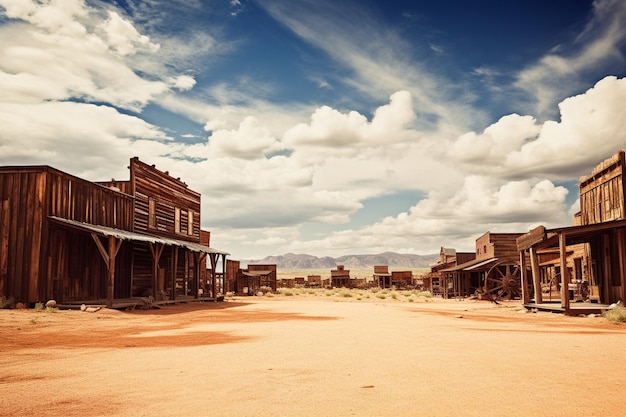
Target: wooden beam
(101,249)
(114,246)
(534,266)
(564,272)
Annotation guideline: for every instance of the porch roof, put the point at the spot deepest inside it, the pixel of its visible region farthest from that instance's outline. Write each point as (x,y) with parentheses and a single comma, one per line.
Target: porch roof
(261,273)
(139,237)
(574,234)
(470,265)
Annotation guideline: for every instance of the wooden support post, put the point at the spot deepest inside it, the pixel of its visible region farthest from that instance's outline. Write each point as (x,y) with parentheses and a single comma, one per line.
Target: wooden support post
(523,277)
(174,268)
(621,250)
(213,274)
(534,266)
(196,274)
(114,247)
(564,272)
(156,252)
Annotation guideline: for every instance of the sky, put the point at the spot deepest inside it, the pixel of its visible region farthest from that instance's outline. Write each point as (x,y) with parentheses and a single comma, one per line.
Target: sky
(325,127)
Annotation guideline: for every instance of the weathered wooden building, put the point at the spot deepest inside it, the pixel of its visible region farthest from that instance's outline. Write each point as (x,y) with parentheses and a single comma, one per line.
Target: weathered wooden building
(493,273)
(256,277)
(586,261)
(340,277)
(314,281)
(381,276)
(434,281)
(72,240)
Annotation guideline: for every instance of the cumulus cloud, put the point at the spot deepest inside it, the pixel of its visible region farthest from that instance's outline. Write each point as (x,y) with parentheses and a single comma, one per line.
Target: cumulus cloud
(329,128)
(559,73)
(68,52)
(592,127)
(250,141)
(79,137)
(123,37)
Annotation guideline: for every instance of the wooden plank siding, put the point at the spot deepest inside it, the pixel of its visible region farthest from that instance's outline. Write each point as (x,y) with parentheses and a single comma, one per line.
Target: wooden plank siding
(35,256)
(169,195)
(602,192)
(497,245)
(50,247)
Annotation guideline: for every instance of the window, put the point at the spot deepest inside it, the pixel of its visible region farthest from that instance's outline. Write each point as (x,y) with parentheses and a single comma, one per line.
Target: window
(190,223)
(177,220)
(151,213)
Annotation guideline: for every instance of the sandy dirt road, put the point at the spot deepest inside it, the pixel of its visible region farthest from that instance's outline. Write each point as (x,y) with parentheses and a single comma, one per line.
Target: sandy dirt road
(311,356)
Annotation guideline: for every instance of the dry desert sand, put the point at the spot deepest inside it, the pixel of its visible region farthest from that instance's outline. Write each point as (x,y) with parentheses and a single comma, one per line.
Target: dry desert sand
(311,356)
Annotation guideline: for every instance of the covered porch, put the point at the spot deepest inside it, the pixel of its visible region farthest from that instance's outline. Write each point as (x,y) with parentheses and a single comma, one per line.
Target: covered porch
(109,241)
(588,270)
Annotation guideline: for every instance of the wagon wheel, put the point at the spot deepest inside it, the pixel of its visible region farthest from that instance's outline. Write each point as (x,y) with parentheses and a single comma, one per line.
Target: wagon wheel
(503,281)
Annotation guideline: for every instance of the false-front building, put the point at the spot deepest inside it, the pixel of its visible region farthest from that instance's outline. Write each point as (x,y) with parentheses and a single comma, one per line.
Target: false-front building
(72,240)
(584,263)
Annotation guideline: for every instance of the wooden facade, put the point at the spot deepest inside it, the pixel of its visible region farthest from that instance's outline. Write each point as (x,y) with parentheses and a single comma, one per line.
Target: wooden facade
(340,277)
(585,262)
(381,276)
(435,281)
(493,273)
(72,240)
(255,278)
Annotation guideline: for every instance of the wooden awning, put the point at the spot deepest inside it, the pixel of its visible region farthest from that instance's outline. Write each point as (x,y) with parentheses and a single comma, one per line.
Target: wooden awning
(257,273)
(471,265)
(138,237)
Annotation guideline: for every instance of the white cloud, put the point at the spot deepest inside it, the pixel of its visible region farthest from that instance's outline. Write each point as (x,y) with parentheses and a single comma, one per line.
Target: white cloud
(83,138)
(592,126)
(123,37)
(556,76)
(330,128)
(249,141)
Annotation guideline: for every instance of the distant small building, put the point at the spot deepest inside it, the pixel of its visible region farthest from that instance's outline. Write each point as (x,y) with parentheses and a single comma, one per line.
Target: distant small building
(382,277)
(340,277)
(314,281)
(255,277)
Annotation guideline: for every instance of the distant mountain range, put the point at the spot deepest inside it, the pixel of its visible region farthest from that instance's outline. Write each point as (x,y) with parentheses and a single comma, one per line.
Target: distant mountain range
(303,261)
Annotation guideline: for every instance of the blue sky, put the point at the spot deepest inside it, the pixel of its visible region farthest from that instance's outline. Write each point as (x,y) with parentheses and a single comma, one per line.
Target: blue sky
(325,127)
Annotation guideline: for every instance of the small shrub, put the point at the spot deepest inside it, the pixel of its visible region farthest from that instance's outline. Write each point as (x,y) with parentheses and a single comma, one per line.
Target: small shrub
(410,300)
(288,293)
(269,294)
(346,295)
(38,306)
(616,315)
(426,294)
(394,296)
(381,296)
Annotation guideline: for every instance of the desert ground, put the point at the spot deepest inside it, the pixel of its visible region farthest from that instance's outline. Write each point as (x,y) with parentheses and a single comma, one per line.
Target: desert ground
(312,354)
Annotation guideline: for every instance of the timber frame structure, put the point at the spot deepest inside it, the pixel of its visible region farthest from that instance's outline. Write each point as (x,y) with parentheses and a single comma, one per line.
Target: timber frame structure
(493,274)
(586,261)
(76,241)
(439,284)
